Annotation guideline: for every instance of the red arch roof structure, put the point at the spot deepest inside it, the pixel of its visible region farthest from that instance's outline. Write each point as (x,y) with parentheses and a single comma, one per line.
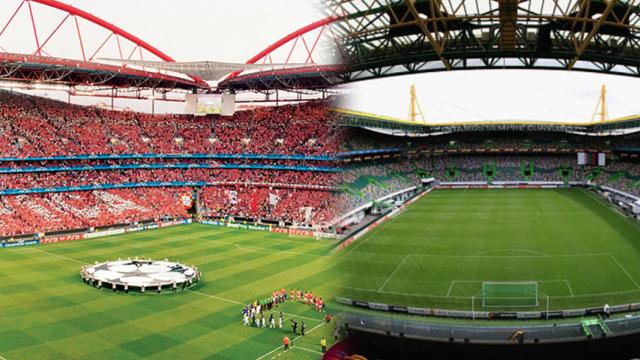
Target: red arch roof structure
(312,76)
(100,22)
(304,40)
(114,33)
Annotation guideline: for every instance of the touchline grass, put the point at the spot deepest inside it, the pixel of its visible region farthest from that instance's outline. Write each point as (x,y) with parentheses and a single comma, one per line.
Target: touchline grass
(439,252)
(47,312)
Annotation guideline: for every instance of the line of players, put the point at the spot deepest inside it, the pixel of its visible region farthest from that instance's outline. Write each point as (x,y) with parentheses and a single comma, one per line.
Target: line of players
(253,314)
(301,296)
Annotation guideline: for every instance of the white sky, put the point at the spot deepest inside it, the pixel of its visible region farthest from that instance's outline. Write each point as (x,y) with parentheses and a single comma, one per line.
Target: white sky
(221,30)
(498,95)
(235,30)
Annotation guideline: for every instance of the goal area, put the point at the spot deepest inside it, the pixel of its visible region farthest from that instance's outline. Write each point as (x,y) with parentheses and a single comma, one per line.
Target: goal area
(506,294)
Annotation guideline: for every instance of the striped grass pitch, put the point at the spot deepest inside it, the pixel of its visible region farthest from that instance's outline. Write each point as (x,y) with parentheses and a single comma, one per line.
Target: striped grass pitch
(439,252)
(47,312)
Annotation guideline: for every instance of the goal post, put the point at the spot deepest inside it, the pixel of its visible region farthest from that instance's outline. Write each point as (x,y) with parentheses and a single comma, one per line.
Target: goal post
(505,294)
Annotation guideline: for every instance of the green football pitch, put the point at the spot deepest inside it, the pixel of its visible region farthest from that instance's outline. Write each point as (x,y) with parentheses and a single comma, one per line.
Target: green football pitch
(561,249)
(46,311)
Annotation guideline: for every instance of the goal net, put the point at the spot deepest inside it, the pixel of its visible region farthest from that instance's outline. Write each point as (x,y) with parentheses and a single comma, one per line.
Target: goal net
(509,294)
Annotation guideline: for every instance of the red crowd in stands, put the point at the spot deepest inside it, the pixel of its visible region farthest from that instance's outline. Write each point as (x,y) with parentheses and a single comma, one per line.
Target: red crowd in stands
(27,214)
(34,126)
(37,213)
(290,205)
(235,176)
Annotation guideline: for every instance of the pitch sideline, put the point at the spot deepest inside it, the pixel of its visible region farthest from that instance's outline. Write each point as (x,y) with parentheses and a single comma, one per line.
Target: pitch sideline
(368,235)
(292,340)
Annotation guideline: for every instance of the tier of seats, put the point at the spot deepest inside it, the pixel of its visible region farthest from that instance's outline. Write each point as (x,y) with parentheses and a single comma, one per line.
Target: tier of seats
(34,126)
(38,127)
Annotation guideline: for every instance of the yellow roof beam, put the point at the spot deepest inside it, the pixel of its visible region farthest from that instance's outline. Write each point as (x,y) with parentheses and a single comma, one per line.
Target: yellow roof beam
(462,123)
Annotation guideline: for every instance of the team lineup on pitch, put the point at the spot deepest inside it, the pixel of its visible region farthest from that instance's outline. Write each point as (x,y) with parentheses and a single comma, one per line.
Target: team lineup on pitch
(135,324)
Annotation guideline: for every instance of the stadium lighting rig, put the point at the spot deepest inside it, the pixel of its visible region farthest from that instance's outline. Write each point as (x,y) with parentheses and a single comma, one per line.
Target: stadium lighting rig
(391,38)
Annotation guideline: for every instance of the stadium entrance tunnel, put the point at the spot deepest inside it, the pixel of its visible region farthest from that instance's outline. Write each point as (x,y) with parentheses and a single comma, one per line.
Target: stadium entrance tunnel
(140,275)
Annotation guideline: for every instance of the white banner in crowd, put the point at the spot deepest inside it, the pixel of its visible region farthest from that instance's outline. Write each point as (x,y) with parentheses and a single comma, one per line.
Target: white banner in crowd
(233,197)
(273,199)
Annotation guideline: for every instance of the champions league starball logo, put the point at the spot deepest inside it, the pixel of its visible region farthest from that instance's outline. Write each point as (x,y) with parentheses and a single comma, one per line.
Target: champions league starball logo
(140,275)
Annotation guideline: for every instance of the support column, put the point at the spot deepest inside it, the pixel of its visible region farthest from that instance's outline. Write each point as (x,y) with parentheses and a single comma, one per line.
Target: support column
(508,15)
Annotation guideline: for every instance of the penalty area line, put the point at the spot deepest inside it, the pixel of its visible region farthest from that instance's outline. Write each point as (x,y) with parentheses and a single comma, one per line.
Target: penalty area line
(450,287)
(624,270)
(453,282)
(393,273)
(569,287)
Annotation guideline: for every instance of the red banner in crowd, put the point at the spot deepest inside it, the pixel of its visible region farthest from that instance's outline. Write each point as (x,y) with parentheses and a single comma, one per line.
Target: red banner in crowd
(55,239)
(254,201)
(298,232)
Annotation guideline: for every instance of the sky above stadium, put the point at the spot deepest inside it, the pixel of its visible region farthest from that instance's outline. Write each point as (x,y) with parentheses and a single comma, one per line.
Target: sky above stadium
(221,30)
(482,95)
(216,30)
(224,30)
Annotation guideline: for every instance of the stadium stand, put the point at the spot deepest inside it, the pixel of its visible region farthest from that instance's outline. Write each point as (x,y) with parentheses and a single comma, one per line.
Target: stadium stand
(27,214)
(33,126)
(467,157)
(285,152)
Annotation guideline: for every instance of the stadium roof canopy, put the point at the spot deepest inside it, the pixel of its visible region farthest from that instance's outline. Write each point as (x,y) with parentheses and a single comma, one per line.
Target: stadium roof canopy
(46,64)
(396,37)
(399,127)
(295,62)
(51,70)
(310,77)
(256,77)
(207,70)
(315,45)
